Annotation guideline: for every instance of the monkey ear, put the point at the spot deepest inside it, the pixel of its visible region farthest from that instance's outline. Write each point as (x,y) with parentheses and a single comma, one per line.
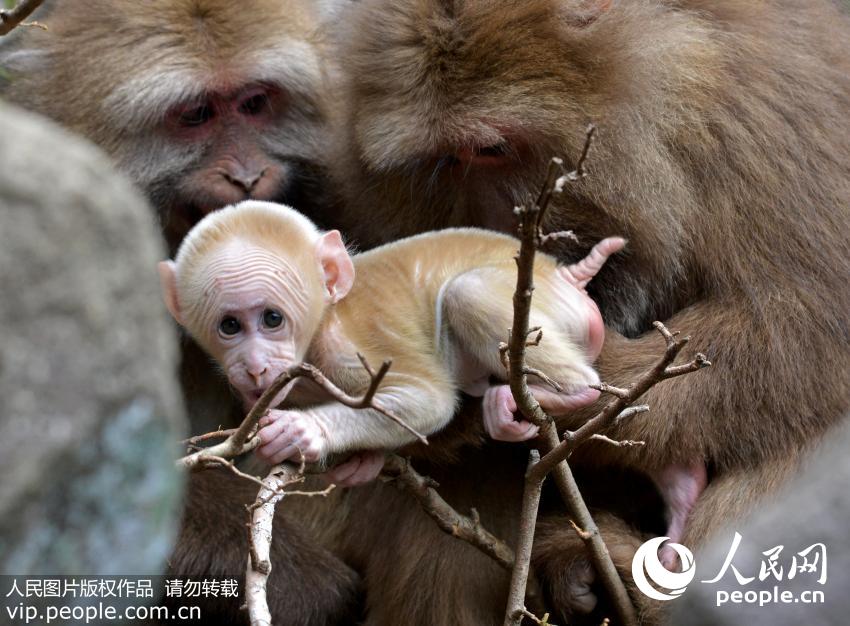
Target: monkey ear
(336,263)
(582,13)
(168,279)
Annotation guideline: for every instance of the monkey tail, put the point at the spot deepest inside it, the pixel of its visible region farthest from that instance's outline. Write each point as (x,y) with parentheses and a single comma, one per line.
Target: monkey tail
(582,272)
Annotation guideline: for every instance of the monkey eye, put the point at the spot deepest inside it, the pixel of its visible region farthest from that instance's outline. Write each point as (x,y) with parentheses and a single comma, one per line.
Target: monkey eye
(197,116)
(254,105)
(229,326)
(272,318)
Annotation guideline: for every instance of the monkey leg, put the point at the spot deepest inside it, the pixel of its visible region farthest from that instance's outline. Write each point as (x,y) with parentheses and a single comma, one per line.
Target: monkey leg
(477,308)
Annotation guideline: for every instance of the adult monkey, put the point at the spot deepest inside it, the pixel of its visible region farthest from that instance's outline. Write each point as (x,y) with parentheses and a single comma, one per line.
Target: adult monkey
(137,56)
(203,103)
(622,183)
(723,156)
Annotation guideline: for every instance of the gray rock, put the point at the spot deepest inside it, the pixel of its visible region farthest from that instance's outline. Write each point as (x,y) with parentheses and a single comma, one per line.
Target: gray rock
(90,408)
(814,508)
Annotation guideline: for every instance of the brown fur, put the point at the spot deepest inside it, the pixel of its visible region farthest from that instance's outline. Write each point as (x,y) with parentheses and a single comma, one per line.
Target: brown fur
(111,70)
(723,156)
(307,585)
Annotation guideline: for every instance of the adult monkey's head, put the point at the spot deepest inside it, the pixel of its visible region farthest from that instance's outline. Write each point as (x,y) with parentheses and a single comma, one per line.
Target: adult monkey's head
(201,102)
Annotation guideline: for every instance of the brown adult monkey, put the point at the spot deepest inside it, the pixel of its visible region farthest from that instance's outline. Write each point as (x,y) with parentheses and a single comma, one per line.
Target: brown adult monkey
(722,157)
(202,103)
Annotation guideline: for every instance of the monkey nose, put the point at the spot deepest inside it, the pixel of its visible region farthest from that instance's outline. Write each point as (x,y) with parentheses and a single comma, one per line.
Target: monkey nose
(257,375)
(244,180)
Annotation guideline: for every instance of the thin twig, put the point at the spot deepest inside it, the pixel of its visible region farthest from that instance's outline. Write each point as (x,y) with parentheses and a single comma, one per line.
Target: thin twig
(243,439)
(215,434)
(625,443)
(527,522)
(531,236)
(16,16)
(544,621)
(618,408)
(556,451)
(467,528)
(400,473)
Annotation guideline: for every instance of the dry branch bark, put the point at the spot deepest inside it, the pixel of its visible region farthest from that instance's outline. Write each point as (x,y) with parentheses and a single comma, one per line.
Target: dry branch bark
(14,17)
(244,439)
(260,539)
(556,451)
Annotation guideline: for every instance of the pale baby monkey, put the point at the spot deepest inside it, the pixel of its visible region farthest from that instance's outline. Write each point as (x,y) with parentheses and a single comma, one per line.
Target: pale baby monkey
(261,288)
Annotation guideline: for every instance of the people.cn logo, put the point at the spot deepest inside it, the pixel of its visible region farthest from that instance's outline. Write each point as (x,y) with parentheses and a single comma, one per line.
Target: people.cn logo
(646,567)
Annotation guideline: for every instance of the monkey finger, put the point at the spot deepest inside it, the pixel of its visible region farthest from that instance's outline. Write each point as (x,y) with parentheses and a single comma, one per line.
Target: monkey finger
(339,474)
(371,464)
(517,431)
(269,418)
(280,442)
(289,452)
(529,430)
(563,403)
(272,431)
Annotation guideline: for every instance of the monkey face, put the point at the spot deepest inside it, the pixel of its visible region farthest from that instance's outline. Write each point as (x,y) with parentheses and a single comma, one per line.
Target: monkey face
(248,143)
(250,309)
(201,103)
(463,103)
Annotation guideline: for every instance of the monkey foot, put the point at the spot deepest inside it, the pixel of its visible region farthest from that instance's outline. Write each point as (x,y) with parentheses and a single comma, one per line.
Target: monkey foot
(561,559)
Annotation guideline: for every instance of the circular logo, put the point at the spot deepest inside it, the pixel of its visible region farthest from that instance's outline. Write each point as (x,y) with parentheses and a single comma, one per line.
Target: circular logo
(646,566)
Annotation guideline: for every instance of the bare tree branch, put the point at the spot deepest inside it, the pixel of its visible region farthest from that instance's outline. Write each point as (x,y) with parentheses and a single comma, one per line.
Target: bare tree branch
(556,451)
(618,408)
(467,528)
(527,522)
(260,539)
(16,16)
(530,232)
(244,439)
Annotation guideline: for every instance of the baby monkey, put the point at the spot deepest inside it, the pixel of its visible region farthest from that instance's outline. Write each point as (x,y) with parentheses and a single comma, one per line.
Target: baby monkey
(261,288)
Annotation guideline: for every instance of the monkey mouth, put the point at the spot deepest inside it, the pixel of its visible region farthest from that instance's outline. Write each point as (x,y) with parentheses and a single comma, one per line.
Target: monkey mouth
(254,395)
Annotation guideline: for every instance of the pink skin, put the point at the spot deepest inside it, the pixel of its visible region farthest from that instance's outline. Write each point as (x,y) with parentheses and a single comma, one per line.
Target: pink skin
(360,469)
(286,435)
(499,404)
(243,283)
(230,123)
(680,485)
(246,283)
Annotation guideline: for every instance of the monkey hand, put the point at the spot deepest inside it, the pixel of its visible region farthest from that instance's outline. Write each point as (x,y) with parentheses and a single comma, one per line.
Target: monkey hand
(499,408)
(359,469)
(291,435)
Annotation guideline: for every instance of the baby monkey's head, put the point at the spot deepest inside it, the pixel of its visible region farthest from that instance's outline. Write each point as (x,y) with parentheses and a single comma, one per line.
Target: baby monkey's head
(250,283)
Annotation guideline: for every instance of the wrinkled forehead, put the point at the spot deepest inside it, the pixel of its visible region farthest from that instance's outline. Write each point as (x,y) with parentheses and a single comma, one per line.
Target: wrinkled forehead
(241,275)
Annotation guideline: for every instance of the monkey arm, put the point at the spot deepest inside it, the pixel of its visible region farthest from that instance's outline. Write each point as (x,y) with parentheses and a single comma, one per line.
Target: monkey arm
(740,414)
(755,355)
(333,428)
